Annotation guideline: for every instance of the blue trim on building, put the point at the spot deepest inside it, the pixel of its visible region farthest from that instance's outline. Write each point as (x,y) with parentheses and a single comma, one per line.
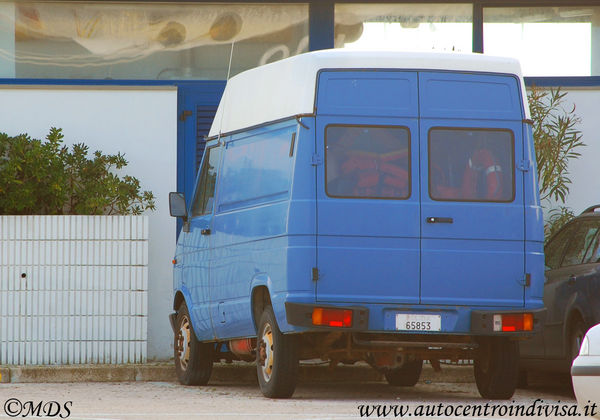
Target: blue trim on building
(321,25)
(477,28)
(102,82)
(565,81)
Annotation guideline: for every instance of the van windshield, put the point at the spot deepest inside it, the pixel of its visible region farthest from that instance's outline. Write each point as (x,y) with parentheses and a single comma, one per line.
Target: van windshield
(367,161)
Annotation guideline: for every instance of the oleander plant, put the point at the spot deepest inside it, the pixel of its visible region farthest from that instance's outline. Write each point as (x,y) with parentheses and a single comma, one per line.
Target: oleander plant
(46,177)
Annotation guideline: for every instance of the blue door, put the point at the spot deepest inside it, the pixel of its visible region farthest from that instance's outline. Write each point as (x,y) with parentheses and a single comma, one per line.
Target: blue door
(472,208)
(197,105)
(367,187)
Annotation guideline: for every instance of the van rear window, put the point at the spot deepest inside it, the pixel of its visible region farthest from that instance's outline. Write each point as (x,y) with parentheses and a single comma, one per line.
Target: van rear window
(471,164)
(367,161)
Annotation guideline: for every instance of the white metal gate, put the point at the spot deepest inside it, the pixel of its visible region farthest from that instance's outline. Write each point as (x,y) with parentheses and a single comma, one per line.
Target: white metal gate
(73,289)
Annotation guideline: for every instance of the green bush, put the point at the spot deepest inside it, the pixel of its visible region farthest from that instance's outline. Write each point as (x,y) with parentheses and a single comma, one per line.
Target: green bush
(557,141)
(46,177)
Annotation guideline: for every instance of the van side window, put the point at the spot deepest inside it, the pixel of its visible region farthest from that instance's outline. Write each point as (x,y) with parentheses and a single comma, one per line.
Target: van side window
(367,161)
(257,169)
(205,191)
(471,164)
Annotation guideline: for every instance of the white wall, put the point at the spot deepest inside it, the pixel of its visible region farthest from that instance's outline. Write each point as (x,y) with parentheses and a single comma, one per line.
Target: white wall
(585,177)
(142,124)
(73,289)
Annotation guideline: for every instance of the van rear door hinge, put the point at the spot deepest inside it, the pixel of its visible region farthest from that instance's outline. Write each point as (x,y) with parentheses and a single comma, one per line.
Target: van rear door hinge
(315,274)
(526,281)
(524,165)
(316,160)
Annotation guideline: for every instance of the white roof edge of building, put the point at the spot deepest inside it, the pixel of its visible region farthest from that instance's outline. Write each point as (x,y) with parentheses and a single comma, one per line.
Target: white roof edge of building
(287,87)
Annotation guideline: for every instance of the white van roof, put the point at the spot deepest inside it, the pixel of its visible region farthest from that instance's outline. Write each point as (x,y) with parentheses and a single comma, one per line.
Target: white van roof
(287,87)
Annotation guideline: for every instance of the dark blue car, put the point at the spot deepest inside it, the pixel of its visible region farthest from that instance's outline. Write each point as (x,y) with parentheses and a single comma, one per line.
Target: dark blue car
(571,294)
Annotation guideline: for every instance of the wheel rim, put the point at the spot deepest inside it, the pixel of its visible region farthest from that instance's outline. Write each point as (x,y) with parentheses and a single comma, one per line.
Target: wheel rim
(183,343)
(266,354)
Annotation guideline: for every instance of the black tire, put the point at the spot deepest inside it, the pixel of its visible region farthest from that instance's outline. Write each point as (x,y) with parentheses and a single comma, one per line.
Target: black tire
(523,381)
(497,368)
(193,359)
(276,358)
(406,375)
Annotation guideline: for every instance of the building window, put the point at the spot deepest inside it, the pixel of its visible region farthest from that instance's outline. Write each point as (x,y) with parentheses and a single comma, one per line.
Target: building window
(145,41)
(549,41)
(417,27)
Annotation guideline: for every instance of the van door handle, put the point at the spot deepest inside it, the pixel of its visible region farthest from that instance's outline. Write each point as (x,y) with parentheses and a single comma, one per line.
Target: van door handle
(205,231)
(440,220)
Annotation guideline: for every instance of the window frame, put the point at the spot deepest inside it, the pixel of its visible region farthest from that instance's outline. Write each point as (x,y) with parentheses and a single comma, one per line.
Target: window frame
(409,170)
(454,128)
(202,176)
(581,225)
(569,226)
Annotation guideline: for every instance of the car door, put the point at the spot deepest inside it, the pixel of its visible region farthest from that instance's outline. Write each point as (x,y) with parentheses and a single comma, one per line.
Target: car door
(568,282)
(198,256)
(553,253)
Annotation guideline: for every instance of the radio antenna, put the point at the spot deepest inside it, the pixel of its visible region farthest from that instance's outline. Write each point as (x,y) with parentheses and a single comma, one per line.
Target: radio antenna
(225,96)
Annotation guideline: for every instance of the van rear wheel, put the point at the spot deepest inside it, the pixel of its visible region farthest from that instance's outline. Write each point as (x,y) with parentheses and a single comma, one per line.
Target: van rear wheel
(406,375)
(193,359)
(276,358)
(497,368)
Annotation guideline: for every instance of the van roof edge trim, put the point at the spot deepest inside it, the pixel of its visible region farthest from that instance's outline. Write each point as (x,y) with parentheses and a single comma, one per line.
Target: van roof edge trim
(254,127)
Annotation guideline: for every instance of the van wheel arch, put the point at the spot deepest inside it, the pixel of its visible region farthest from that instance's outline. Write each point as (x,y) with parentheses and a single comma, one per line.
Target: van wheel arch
(178,300)
(575,328)
(261,298)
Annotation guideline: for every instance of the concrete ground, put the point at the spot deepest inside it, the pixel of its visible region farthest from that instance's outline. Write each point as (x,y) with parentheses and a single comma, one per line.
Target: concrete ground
(233,393)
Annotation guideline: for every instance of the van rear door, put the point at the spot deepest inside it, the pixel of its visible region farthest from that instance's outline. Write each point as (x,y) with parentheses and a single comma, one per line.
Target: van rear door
(472,249)
(366,158)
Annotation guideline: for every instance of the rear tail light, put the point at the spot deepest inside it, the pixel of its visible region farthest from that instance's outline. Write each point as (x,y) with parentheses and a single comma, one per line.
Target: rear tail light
(513,322)
(331,317)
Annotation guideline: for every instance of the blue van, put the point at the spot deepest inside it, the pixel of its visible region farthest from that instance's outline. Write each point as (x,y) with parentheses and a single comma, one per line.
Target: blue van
(379,207)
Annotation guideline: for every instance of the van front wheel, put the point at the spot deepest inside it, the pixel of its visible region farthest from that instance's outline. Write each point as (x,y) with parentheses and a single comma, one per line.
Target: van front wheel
(497,368)
(193,359)
(276,358)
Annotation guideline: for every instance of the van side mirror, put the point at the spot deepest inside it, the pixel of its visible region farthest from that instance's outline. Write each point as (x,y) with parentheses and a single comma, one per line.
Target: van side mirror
(177,206)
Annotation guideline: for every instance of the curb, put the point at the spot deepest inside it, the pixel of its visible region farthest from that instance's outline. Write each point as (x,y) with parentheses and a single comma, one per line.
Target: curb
(237,372)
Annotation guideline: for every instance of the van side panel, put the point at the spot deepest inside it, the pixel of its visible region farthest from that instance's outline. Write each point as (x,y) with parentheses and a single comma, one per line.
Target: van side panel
(534,226)
(249,232)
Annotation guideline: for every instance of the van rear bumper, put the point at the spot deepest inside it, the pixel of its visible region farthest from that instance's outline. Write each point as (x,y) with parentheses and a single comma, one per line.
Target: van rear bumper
(368,318)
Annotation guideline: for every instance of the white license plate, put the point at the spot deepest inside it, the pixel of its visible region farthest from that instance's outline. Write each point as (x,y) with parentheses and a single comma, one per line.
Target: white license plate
(418,322)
